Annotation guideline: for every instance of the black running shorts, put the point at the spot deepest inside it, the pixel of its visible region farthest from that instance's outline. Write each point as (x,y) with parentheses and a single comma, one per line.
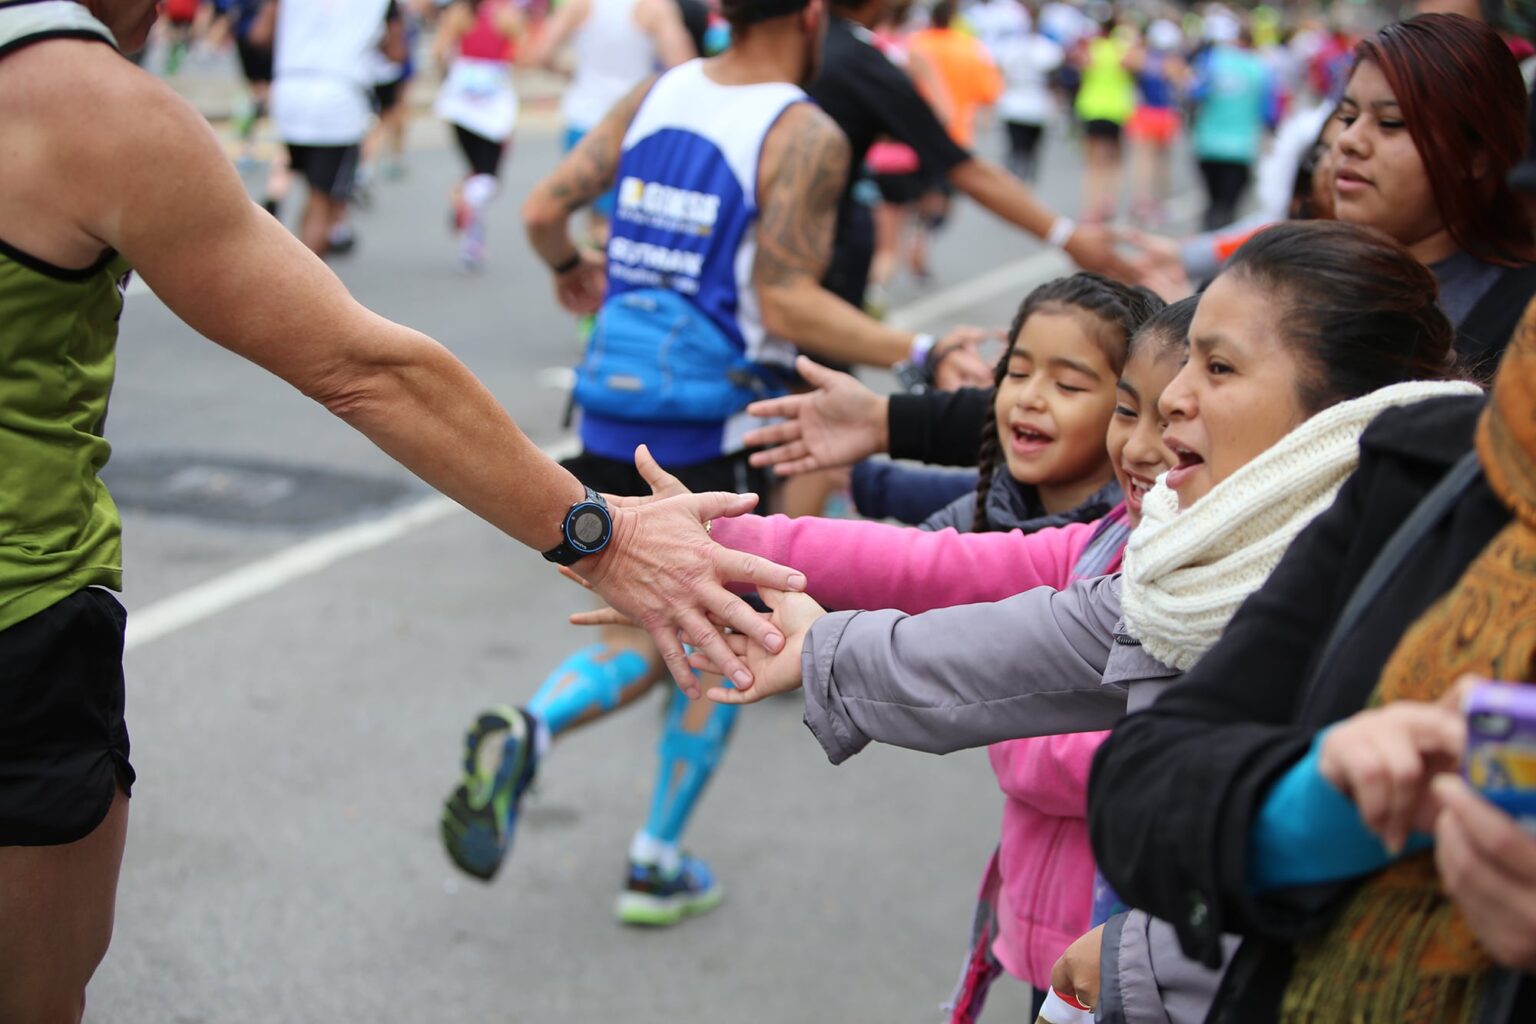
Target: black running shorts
(255,62)
(622,479)
(63,742)
(329,170)
(1101,129)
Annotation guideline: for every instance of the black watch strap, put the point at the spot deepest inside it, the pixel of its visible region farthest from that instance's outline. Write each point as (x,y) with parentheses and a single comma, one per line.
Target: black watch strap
(586,529)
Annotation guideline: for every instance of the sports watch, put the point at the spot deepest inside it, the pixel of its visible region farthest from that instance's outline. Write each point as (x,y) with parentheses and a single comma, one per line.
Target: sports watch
(587,528)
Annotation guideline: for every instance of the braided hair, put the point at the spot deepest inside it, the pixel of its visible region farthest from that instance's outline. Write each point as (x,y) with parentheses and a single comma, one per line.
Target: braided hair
(1118,311)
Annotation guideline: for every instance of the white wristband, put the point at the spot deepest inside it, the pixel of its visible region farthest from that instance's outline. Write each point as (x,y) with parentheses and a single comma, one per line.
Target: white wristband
(921,346)
(1061,232)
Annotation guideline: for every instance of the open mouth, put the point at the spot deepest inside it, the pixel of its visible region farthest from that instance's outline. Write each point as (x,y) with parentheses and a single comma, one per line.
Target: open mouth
(1028,439)
(1136,488)
(1190,462)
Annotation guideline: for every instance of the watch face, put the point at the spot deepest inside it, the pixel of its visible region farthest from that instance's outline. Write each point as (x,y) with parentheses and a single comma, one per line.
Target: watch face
(588,528)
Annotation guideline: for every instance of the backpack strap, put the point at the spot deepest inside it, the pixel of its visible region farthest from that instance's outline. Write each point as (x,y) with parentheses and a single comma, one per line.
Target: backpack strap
(1429,511)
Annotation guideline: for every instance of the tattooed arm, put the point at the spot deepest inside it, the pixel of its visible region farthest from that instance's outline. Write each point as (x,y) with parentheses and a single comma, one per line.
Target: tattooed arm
(586,173)
(800,180)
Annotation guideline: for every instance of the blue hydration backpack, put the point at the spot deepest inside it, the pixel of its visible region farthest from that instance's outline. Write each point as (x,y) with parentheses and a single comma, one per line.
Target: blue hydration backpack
(654,355)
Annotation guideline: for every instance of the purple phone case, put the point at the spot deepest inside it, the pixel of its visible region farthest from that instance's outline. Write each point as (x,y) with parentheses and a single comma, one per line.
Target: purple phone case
(1501,746)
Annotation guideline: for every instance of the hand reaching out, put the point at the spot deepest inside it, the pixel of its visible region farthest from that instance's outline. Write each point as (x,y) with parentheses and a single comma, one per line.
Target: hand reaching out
(1157,264)
(1093,248)
(773,672)
(957,361)
(838,424)
(663,573)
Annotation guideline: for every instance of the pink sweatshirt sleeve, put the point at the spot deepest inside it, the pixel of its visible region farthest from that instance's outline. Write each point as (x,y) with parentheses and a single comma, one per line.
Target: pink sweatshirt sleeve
(1050,773)
(854,565)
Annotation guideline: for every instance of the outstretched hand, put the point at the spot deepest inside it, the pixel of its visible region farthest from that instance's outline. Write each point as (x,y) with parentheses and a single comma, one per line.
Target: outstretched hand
(663,573)
(838,424)
(791,615)
(1093,248)
(1156,264)
(957,362)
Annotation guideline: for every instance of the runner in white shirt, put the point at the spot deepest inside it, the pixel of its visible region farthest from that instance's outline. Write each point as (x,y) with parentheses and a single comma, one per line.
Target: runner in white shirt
(323,69)
(1027,104)
(614,45)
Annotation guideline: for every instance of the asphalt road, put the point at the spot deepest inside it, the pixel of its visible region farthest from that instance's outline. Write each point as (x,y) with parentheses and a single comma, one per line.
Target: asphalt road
(293,746)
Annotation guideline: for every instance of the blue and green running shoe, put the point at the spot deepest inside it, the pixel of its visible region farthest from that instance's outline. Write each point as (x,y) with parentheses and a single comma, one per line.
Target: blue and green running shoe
(657,898)
(499,763)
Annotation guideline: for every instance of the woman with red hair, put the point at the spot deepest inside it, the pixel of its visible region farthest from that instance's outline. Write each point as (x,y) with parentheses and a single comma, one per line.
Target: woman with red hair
(1433,120)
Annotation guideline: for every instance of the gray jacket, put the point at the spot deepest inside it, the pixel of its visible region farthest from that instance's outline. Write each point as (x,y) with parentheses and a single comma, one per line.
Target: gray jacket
(1039,663)
(1147,979)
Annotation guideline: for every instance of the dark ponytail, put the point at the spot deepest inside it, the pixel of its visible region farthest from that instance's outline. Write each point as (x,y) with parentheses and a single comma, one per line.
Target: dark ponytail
(1356,309)
(1117,311)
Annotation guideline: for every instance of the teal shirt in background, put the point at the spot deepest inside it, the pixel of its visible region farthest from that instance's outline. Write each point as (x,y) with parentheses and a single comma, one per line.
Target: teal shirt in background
(1235,94)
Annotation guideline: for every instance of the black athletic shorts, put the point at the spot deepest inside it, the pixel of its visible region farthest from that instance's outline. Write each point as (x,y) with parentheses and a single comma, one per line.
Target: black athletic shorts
(482,154)
(901,189)
(255,61)
(1099,129)
(329,170)
(387,94)
(612,476)
(63,742)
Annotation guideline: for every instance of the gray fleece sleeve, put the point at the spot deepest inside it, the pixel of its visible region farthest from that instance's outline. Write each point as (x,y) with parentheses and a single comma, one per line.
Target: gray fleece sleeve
(963,677)
(1146,979)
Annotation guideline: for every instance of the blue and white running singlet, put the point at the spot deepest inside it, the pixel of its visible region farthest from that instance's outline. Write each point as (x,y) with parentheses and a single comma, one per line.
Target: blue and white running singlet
(685,221)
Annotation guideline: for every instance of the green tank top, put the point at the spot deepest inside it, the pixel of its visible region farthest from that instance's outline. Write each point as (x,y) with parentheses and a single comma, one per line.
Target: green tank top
(59,530)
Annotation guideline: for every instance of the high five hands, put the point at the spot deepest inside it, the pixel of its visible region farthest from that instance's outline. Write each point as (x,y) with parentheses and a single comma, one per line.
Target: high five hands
(663,573)
(766,646)
(773,673)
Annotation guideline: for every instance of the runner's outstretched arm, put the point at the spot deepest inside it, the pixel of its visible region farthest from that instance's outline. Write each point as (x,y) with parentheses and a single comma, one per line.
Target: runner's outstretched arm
(115,159)
(1092,248)
(800,181)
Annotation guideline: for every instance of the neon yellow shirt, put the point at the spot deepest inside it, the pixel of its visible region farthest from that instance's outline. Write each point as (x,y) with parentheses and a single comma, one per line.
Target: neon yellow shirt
(1108,92)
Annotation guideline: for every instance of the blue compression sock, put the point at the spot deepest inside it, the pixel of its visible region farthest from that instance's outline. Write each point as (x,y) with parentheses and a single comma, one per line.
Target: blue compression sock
(687,762)
(586,681)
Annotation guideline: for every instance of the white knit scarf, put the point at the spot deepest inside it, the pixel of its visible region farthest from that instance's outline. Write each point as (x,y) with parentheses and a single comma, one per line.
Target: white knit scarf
(1186,573)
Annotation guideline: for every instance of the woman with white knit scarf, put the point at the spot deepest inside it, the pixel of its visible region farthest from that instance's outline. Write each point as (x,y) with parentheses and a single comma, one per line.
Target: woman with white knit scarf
(1311,331)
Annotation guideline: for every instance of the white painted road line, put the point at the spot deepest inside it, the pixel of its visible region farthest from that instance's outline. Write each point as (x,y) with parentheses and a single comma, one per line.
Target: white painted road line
(265,575)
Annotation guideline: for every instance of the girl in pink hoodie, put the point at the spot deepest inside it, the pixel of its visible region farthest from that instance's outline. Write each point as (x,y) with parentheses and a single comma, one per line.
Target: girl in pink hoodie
(1037,894)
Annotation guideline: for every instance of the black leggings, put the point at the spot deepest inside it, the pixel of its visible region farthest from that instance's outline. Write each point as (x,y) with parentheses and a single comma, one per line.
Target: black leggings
(1225,182)
(1024,148)
(483,154)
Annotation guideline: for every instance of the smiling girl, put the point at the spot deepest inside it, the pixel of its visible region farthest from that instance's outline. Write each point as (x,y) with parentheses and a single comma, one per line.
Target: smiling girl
(1042,456)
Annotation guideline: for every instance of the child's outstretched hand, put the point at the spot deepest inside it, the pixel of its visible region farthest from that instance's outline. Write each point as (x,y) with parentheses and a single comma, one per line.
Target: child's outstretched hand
(772,674)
